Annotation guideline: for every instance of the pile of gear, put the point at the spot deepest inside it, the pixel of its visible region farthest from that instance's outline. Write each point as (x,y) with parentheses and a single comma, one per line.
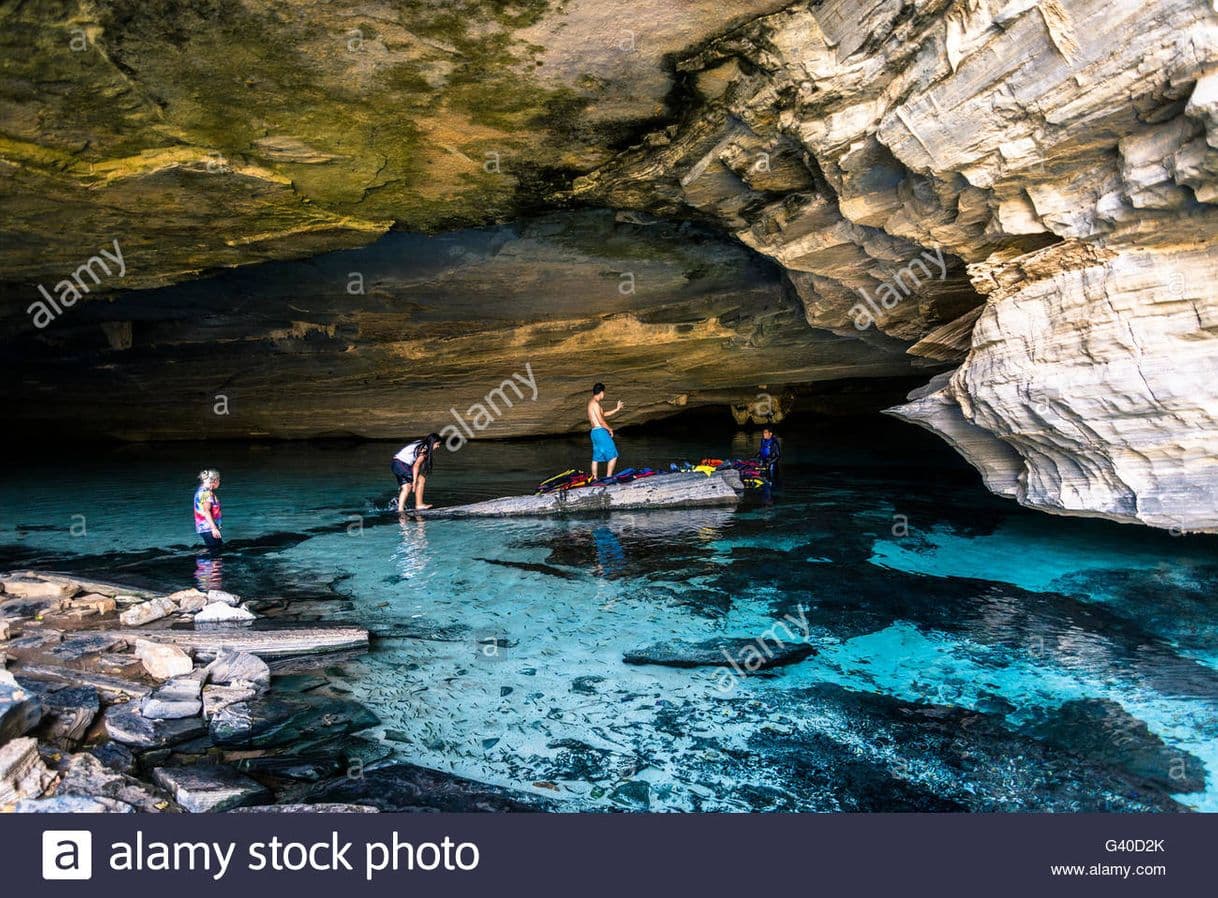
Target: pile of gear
(753,473)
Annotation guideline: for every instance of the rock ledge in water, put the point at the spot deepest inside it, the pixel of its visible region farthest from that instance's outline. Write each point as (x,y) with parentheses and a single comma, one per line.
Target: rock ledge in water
(745,654)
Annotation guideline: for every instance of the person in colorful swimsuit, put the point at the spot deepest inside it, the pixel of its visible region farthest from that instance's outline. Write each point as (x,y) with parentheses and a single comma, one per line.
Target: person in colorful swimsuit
(603,447)
(207,509)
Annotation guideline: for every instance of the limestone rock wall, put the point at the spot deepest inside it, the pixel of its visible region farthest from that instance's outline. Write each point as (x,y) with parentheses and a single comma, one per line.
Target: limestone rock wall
(1060,154)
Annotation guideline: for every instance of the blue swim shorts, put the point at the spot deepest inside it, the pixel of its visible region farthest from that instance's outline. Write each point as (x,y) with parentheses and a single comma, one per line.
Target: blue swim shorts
(603,448)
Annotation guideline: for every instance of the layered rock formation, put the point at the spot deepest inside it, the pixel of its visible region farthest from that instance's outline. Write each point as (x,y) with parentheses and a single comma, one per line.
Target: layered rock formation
(1064,152)
(1024,189)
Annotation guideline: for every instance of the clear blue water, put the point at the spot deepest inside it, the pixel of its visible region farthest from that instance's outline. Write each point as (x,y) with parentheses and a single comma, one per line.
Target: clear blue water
(970,654)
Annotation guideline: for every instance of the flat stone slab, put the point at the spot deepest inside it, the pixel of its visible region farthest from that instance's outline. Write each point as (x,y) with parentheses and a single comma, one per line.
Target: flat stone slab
(76,647)
(688,489)
(29,586)
(266,640)
(746,655)
(114,688)
(104,587)
(282,720)
(125,723)
(200,788)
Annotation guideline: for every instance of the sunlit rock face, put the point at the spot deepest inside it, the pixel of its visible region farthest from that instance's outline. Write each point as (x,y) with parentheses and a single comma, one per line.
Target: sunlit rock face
(1062,155)
(413,333)
(207,133)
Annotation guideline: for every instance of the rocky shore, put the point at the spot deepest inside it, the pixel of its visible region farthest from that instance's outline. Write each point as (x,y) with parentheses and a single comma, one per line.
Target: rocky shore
(120,700)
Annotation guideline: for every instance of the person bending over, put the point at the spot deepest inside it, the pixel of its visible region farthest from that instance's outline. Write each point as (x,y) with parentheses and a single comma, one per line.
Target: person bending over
(603,447)
(411,466)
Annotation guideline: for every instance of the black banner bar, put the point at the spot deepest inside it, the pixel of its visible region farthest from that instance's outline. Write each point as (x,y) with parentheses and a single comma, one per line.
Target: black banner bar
(541,855)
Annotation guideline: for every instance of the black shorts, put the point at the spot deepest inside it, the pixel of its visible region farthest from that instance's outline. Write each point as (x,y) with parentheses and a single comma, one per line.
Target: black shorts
(212,542)
(402,471)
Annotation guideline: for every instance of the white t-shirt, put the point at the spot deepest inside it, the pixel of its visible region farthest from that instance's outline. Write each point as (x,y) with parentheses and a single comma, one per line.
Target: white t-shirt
(409,453)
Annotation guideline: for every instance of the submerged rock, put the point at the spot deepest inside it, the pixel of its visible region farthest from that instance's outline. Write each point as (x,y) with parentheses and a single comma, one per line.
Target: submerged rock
(280,720)
(745,655)
(407,787)
(209,787)
(1102,731)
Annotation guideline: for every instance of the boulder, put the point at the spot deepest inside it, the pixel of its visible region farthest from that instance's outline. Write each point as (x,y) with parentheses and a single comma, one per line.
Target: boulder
(219,612)
(219,595)
(209,787)
(272,720)
(67,714)
(5,629)
(22,773)
(230,666)
(194,601)
(83,775)
(217,698)
(147,612)
(20,709)
(163,661)
(114,755)
(180,697)
(125,724)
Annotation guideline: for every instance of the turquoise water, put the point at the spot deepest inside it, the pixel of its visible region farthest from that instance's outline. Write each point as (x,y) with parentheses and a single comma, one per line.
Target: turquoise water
(970,654)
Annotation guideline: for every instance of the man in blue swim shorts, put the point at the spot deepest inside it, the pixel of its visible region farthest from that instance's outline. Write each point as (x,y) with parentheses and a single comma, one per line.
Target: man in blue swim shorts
(603,448)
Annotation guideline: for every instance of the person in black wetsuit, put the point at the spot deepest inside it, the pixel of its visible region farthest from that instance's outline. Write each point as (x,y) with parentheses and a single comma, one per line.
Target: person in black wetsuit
(770,452)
